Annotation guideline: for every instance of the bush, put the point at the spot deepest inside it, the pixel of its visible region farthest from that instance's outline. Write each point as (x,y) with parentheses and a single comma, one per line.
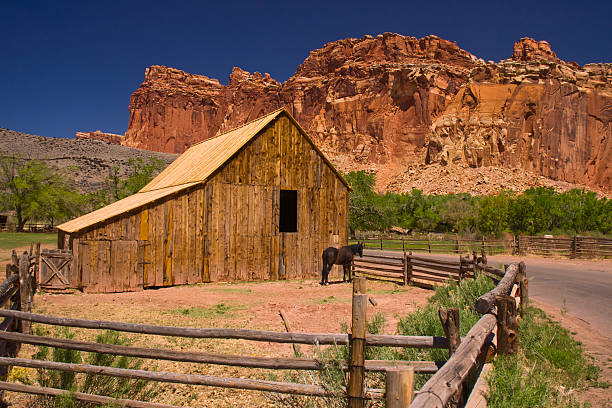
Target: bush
(549,366)
(114,387)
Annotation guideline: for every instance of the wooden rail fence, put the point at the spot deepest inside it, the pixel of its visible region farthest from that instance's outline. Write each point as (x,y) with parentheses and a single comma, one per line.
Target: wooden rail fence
(447,380)
(573,247)
(429,244)
(417,270)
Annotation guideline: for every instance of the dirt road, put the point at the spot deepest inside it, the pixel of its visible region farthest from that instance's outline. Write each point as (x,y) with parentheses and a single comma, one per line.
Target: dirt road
(580,287)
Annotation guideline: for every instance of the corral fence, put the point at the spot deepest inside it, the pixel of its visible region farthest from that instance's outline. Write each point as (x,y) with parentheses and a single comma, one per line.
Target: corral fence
(573,247)
(7,226)
(434,244)
(420,271)
(448,377)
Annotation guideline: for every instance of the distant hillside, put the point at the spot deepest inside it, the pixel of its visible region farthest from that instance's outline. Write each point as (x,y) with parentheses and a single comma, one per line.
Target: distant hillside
(89,160)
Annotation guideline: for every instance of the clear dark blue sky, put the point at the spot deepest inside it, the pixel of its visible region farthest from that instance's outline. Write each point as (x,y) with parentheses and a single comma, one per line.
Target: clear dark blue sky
(68,66)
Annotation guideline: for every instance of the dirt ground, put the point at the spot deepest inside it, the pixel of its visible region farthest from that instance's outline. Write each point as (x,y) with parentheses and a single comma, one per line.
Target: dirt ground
(255,305)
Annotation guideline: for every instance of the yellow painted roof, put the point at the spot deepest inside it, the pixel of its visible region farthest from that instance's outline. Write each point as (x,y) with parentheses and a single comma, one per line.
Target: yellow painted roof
(194,166)
(202,159)
(119,207)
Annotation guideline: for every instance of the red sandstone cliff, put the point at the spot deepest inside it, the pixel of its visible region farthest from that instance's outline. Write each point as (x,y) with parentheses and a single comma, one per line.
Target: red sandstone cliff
(389,102)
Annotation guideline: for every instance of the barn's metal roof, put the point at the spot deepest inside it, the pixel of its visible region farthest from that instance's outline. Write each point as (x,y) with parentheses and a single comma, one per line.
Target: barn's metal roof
(194,166)
(119,207)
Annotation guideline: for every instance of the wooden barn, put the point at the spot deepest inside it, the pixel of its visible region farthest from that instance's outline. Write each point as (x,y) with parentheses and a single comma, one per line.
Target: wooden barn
(260,202)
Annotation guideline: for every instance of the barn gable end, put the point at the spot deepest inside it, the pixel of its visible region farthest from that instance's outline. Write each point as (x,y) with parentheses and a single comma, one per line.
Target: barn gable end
(225,227)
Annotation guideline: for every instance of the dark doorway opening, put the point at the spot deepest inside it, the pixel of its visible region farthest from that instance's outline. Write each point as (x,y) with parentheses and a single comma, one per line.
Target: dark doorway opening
(288,211)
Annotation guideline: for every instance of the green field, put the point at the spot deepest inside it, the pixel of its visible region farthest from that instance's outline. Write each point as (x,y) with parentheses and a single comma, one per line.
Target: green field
(433,246)
(10,240)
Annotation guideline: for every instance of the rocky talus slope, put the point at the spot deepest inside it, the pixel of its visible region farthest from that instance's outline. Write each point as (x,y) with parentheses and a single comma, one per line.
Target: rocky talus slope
(87,161)
(400,106)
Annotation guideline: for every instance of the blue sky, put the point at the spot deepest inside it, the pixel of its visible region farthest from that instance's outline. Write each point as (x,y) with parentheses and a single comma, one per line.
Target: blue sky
(71,66)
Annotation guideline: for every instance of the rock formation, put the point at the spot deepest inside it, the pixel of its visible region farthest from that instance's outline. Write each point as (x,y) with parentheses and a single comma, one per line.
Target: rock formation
(388,102)
(111,138)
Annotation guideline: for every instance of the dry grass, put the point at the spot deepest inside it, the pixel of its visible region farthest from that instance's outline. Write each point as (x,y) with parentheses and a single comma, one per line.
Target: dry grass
(309,306)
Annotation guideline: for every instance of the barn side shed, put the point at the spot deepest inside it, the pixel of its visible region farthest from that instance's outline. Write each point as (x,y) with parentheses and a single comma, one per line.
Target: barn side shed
(260,202)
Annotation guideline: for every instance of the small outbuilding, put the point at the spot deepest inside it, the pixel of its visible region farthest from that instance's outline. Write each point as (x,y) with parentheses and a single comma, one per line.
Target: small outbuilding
(260,202)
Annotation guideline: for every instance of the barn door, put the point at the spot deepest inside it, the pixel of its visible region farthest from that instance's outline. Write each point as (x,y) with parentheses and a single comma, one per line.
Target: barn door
(55,269)
(111,266)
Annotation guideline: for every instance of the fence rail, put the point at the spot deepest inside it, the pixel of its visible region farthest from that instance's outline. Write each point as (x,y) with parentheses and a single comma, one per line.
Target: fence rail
(573,247)
(18,289)
(417,270)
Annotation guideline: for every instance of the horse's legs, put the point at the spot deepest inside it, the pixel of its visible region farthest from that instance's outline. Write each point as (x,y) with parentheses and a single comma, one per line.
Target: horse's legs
(347,271)
(323,273)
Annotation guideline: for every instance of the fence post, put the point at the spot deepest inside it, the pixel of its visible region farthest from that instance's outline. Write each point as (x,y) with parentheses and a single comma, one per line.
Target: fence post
(573,249)
(475,261)
(482,247)
(403,247)
(36,270)
(523,287)
(381,244)
(462,267)
(429,243)
(25,291)
(483,255)
(507,325)
(356,382)
(399,387)
(450,323)
(457,244)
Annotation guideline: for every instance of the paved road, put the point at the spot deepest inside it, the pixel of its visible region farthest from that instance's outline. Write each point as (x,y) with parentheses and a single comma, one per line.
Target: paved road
(582,287)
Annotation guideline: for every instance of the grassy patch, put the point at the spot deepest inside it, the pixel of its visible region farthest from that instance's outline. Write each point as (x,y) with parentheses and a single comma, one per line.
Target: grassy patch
(329,299)
(231,290)
(10,240)
(88,383)
(220,309)
(392,291)
(548,369)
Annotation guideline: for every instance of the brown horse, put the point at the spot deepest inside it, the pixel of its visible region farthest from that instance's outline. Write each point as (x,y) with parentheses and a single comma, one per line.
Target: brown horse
(343,256)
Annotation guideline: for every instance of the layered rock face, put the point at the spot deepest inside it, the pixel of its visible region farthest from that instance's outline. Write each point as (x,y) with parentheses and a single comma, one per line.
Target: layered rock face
(543,116)
(111,138)
(387,102)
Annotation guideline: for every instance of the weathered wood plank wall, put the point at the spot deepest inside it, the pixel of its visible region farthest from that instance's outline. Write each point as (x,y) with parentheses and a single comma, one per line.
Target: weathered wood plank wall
(228,228)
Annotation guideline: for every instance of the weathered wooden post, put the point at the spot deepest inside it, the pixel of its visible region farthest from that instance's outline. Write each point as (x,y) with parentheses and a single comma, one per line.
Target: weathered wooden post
(403,247)
(573,249)
(483,255)
(482,247)
(381,243)
(399,387)
(507,325)
(356,382)
(405,270)
(36,269)
(450,323)
(462,267)
(475,261)
(429,243)
(25,290)
(523,287)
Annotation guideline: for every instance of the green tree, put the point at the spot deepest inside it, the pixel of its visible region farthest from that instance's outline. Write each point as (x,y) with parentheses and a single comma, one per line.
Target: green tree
(493,213)
(35,191)
(365,212)
(141,172)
